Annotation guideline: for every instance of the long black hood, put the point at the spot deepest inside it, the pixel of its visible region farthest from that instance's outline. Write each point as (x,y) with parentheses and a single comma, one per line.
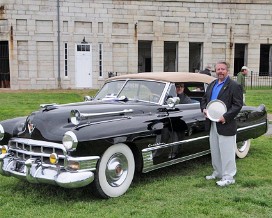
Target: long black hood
(51,122)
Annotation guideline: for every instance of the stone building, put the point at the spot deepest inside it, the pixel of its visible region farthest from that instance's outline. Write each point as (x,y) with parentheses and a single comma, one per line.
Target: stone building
(50,44)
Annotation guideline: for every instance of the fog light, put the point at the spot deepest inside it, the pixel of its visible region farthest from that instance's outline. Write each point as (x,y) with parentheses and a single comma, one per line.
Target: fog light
(4,149)
(54,159)
(74,165)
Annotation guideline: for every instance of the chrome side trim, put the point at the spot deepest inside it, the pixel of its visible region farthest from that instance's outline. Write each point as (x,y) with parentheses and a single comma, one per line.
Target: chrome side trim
(147,154)
(149,165)
(172,144)
(252,126)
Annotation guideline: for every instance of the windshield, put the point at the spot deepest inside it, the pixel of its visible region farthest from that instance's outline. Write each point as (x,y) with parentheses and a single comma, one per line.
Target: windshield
(110,89)
(139,90)
(143,90)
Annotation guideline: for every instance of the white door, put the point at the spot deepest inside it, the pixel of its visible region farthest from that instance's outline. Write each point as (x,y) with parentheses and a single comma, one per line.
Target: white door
(83,74)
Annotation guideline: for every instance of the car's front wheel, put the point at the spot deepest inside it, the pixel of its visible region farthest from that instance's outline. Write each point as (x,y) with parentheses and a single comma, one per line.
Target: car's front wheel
(242,148)
(115,171)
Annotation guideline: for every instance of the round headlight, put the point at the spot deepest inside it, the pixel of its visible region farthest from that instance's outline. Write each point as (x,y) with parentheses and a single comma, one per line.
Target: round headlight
(75,117)
(54,158)
(69,140)
(2,132)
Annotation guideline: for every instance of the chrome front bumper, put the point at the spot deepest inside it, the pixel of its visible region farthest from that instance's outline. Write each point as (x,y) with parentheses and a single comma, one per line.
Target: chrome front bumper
(35,172)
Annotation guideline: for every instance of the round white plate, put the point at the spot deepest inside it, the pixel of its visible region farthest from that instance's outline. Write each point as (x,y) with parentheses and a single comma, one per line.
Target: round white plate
(215,109)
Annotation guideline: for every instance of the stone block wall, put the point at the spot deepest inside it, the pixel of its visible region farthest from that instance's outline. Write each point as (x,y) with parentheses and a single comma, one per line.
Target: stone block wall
(31,29)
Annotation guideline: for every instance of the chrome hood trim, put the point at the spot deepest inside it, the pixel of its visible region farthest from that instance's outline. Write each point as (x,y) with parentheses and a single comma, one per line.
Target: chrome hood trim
(77,117)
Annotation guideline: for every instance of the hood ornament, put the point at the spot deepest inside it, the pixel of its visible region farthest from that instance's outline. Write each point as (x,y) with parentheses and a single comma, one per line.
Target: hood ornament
(30,127)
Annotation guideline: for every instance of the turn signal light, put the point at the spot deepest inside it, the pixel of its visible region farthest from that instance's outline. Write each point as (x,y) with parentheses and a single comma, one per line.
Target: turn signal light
(73,165)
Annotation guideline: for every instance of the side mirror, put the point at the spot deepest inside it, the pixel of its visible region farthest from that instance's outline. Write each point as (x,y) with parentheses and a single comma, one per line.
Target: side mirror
(172,102)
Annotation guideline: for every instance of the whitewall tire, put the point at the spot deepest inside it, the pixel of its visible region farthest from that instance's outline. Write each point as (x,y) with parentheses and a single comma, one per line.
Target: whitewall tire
(115,171)
(242,148)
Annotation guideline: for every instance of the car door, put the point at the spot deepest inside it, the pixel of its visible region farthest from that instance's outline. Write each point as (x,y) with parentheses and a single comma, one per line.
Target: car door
(188,135)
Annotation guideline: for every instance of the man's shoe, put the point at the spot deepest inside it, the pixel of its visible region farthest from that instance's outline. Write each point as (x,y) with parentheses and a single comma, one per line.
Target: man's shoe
(225,182)
(210,177)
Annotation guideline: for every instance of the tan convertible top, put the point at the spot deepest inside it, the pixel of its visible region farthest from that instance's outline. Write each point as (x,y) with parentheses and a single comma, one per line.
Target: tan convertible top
(168,77)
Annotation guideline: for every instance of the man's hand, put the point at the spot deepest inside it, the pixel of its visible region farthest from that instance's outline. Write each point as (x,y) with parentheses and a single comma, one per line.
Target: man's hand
(205,112)
(222,120)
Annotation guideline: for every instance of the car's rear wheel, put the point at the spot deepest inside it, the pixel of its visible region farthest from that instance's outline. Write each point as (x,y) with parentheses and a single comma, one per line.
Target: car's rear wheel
(242,148)
(115,171)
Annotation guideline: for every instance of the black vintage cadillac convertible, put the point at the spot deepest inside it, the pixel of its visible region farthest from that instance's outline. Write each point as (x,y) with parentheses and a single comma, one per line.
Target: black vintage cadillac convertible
(134,124)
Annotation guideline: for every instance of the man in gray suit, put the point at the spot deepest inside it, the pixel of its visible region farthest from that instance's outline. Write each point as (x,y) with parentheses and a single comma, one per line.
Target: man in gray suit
(223,132)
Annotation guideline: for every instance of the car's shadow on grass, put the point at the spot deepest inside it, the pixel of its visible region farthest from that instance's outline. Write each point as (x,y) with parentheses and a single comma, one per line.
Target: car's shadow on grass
(45,192)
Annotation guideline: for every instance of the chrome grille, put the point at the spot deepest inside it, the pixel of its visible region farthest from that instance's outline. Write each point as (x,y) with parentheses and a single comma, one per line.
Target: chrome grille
(28,148)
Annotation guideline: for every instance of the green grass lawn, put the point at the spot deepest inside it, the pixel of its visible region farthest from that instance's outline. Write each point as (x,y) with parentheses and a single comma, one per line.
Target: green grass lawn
(176,191)
(257,97)
(21,103)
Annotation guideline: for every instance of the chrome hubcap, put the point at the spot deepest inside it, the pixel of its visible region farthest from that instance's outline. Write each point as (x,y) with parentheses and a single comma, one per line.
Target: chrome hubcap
(116,170)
